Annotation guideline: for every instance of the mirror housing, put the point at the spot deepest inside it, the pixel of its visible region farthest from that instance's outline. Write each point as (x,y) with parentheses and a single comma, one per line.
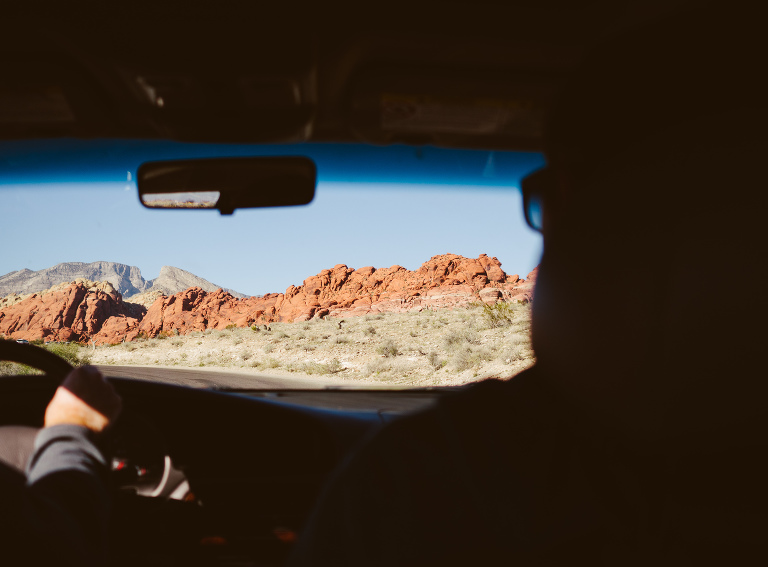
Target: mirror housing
(227,184)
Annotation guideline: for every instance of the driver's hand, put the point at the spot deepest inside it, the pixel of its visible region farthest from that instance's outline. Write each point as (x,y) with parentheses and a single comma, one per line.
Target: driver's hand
(84,398)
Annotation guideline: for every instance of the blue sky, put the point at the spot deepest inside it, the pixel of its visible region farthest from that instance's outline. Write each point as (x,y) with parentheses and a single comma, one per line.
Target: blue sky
(376,207)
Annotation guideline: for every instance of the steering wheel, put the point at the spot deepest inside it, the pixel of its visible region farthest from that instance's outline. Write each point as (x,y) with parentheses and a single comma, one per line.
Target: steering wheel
(16,441)
(133,436)
(36,357)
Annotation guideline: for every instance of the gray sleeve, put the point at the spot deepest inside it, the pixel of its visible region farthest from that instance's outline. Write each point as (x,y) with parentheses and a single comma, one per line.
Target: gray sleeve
(66,505)
(64,448)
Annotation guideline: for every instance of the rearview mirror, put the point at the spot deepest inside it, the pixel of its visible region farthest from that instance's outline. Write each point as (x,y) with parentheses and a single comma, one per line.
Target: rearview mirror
(227,184)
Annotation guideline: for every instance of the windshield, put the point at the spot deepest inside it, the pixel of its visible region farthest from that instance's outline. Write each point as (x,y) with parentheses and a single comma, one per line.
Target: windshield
(412,267)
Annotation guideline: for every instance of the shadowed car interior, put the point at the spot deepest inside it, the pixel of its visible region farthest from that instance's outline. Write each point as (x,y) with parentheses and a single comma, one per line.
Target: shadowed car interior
(229,477)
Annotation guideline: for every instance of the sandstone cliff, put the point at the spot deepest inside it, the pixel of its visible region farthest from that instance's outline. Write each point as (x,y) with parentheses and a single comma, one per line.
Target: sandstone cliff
(442,282)
(71,312)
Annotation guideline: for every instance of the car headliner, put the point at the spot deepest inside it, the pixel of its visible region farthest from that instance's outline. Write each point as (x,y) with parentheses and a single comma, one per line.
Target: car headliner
(238,73)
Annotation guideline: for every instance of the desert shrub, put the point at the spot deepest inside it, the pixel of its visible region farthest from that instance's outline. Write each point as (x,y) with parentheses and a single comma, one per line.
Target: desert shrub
(271,363)
(334,366)
(316,367)
(515,353)
(386,369)
(255,328)
(377,367)
(500,314)
(164,334)
(245,354)
(435,361)
(510,354)
(304,367)
(71,352)
(268,348)
(341,340)
(518,339)
(467,358)
(230,327)
(388,349)
(177,342)
(414,334)
(283,335)
(370,331)
(237,341)
(456,337)
(306,326)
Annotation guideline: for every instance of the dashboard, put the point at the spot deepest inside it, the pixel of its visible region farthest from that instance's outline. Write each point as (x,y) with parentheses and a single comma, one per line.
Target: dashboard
(205,477)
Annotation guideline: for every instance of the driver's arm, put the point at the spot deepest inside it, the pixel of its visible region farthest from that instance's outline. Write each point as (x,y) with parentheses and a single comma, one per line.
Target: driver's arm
(65,504)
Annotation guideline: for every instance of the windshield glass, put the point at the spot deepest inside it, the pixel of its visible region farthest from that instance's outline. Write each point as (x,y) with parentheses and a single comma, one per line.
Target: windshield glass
(411,267)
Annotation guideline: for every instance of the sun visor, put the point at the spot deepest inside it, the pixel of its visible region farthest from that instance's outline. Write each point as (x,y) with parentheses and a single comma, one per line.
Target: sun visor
(426,107)
(49,96)
(227,107)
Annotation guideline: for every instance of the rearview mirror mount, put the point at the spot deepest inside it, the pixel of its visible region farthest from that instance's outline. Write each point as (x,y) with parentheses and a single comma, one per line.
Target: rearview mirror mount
(227,184)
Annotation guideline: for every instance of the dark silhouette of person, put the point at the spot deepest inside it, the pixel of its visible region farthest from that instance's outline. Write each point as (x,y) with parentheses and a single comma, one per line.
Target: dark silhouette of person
(57,513)
(639,436)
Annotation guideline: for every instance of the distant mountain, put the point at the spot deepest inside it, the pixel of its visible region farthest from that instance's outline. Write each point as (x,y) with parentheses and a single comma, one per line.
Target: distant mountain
(125,279)
(173,280)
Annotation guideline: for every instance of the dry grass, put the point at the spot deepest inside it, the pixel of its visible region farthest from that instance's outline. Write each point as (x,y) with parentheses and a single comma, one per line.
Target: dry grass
(427,348)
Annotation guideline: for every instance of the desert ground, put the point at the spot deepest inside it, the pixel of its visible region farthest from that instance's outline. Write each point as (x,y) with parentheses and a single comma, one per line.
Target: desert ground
(427,348)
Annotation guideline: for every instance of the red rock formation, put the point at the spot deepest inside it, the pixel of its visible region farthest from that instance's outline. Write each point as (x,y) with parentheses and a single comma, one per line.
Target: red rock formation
(443,282)
(78,311)
(197,310)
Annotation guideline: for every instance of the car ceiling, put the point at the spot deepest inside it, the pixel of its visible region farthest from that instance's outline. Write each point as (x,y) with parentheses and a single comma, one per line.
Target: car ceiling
(477,74)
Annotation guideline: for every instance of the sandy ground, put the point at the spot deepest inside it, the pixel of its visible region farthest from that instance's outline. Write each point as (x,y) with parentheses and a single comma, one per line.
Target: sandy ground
(428,348)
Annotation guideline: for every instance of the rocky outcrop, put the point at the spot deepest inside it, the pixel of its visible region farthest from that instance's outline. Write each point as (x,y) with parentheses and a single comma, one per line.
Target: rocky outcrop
(197,310)
(71,312)
(125,279)
(444,281)
(84,310)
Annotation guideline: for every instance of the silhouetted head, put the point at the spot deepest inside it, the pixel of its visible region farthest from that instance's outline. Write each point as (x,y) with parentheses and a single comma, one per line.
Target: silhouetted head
(650,305)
